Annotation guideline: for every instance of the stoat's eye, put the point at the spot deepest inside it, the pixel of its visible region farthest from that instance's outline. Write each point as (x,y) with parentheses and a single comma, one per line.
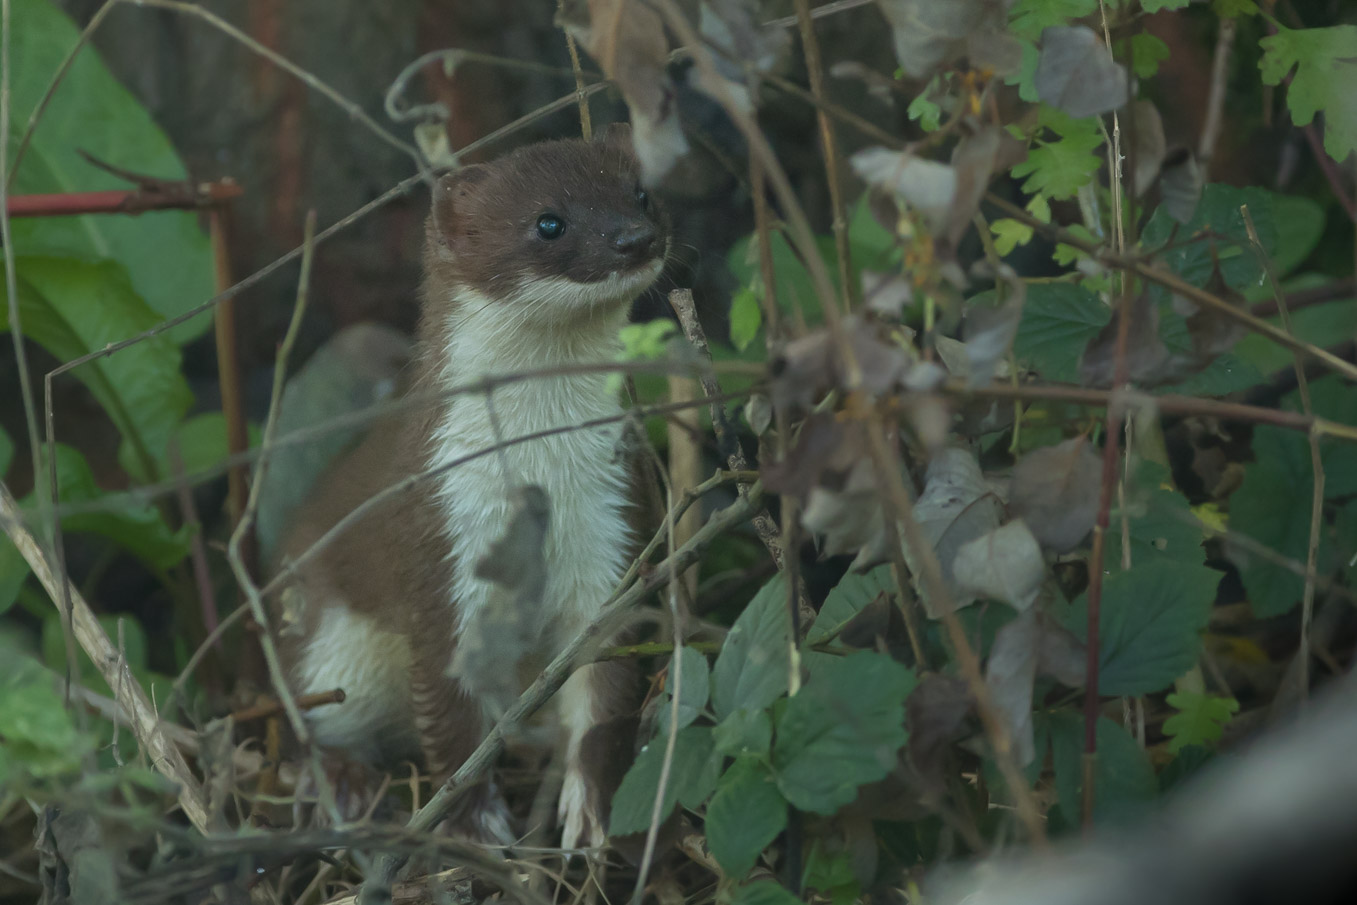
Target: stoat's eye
(550,226)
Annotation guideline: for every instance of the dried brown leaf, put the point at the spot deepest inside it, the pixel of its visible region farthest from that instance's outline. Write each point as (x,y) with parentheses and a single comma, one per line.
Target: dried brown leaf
(1010,673)
(929,34)
(937,712)
(924,185)
(1077,74)
(1146,354)
(973,162)
(1055,491)
(991,329)
(956,507)
(1180,185)
(1147,129)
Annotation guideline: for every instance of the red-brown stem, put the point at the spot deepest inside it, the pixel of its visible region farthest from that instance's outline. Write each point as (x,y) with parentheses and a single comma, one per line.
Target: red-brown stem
(1095,563)
(267,707)
(134,201)
(228,368)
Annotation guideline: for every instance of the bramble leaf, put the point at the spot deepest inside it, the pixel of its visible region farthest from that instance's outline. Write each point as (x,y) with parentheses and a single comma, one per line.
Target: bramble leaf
(1325,60)
(1200,719)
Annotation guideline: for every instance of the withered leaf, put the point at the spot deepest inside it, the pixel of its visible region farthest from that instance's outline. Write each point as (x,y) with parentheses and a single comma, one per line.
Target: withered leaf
(929,34)
(851,518)
(924,185)
(973,162)
(1147,130)
(990,329)
(936,711)
(1004,564)
(1180,185)
(955,507)
(1146,354)
(809,366)
(1077,74)
(1055,491)
(628,41)
(496,637)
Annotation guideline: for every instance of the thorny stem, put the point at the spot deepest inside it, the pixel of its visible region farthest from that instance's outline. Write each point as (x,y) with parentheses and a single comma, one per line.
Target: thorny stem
(377,889)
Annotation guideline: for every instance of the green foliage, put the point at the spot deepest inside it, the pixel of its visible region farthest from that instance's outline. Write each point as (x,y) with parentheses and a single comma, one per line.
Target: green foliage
(1154,6)
(1009,234)
(1325,61)
(1200,719)
(746,813)
(1281,521)
(1029,18)
(693,773)
(924,109)
(763,892)
(1058,168)
(693,688)
(1123,782)
(1224,236)
(167,258)
(1162,527)
(841,730)
(647,341)
(850,595)
(1058,320)
(831,873)
(745,318)
(1152,616)
(1147,52)
(41,742)
(752,669)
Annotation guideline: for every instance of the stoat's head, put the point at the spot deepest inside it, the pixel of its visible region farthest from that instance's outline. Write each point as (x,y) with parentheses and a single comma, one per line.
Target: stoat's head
(562,227)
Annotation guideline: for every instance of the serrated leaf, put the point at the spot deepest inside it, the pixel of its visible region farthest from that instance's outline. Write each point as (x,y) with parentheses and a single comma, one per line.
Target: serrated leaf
(1160,521)
(752,668)
(1147,52)
(646,341)
(1325,60)
(745,815)
(1124,782)
(1059,169)
(842,730)
(1200,719)
(764,892)
(925,110)
(853,592)
(1058,320)
(1223,236)
(1152,617)
(745,318)
(692,776)
(1029,18)
(72,308)
(1009,234)
(166,253)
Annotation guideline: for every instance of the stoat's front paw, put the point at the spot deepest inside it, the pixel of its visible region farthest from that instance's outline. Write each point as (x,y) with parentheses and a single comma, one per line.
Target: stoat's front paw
(581,825)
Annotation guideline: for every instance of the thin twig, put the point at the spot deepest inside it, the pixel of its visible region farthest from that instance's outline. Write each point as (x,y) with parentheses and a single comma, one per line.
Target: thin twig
(242,573)
(1316,464)
(377,889)
(164,756)
(1215,98)
(1177,285)
(272,707)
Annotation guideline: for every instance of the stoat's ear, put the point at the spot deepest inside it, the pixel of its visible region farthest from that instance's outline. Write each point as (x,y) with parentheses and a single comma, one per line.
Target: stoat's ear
(450,195)
(615,135)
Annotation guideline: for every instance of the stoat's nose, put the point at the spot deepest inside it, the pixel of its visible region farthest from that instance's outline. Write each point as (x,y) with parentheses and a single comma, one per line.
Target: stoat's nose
(635,242)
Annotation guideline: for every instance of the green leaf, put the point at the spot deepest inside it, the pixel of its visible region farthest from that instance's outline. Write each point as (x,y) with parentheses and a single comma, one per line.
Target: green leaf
(1200,719)
(745,815)
(1300,226)
(831,873)
(1231,9)
(72,308)
(6,452)
(38,736)
(692,776)
(1009,234)
(745,318)
(1029,18)
(1162,526)
(1325,60)
(693,689)
(1154,6)
(853,592)
(166,253)
(646,341)
(763,892)
(1058,169)
(1147,52)
(1227,373)
(752,668)
(744,732)
(1149,633)
(1220,224)
(926,110)
(843,729)
(1058,320)
(1124,780)
(1280,521)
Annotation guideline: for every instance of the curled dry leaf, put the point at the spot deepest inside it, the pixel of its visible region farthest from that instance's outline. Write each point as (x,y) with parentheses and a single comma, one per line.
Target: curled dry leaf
(743,49)
(937,711)
(1004,564)
(1147,130)
(1077,74)
(1055,491)
(1030,645)
(627,40)
(956,507)
(1146,354)
(809,366)
(495,638)
(886,294)
(929,34)
(973,162)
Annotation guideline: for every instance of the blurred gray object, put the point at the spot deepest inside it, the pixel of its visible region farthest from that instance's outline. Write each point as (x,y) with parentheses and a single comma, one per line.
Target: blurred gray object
(360,366)
(1276,823)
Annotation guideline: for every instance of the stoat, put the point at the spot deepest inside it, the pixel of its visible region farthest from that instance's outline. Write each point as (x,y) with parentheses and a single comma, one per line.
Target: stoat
(531,263)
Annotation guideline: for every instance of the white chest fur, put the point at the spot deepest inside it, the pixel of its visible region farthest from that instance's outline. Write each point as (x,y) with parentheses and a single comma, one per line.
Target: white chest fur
(582,471)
